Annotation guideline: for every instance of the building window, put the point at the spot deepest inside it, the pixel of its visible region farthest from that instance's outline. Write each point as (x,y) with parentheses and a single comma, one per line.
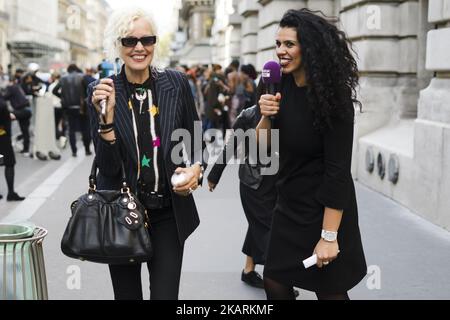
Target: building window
(207,25)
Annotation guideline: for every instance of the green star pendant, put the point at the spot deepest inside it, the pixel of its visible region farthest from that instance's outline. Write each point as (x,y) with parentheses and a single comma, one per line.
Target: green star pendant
(145,162)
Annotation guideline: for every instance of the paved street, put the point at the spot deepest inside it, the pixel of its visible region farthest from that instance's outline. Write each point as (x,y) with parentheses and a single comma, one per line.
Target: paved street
(408,257)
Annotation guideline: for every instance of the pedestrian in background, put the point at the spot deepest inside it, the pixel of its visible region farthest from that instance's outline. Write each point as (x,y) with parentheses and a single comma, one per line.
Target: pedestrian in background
(245,91)
(316,210)
(60,118)
(70,90)
(7,151)
(22,111)
(257,194)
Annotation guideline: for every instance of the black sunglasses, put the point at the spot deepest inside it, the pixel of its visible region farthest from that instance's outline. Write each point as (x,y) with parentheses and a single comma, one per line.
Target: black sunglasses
(131,42)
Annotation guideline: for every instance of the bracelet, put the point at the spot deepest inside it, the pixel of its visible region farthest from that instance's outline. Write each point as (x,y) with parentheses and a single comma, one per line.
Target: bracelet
(109,141)
(102,131)
(104,126)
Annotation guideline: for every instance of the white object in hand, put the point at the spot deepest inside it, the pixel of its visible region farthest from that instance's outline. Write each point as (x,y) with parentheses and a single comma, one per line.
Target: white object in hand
(310,261)
(178,179)
(103,106)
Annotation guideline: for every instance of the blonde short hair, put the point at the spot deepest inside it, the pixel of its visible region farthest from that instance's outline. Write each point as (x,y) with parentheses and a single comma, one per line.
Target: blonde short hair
(119,25)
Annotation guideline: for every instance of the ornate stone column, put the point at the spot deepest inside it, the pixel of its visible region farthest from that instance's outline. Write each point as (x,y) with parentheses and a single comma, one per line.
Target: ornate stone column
(249,9)
(226,32)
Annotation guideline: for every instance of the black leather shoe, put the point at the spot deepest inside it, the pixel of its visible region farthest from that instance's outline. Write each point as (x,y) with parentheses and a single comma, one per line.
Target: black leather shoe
(54,156)
(41,156)
(1,197)
(253,279)
(14,197)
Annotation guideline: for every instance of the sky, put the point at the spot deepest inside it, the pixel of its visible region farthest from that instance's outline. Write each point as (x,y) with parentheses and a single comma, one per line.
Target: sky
(162,11)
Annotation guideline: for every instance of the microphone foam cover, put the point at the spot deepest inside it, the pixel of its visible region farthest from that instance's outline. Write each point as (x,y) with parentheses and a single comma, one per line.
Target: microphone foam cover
(271,72)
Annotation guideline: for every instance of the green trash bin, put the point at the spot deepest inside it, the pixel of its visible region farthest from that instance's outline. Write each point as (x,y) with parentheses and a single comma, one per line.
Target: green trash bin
(22,268)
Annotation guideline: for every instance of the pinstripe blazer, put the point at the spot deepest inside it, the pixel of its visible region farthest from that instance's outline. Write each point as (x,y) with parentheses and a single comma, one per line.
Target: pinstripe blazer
(177,110)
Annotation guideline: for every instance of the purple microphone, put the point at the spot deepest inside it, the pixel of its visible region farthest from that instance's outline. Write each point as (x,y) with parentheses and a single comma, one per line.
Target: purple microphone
(271,76)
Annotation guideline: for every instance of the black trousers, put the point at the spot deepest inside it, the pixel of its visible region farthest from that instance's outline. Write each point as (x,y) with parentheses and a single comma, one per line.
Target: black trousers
(25,129)
(59,116)
(23,116)
(78,122)
(164,267)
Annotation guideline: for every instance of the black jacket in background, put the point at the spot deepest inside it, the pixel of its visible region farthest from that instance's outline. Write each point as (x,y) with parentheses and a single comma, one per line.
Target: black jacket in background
(15,94)
(70,90)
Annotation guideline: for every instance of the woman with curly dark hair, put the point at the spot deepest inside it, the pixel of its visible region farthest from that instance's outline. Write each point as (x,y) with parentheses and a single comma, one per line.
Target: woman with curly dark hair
(316,210)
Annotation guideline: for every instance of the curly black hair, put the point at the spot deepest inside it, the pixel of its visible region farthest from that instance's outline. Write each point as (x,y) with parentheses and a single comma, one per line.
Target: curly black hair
(330,68)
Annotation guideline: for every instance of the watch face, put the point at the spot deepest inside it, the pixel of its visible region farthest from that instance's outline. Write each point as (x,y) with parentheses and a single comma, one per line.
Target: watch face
(330,238)
(329,235)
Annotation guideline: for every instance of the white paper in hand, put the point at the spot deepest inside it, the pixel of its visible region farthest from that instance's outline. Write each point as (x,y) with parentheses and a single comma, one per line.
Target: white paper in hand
(310,261)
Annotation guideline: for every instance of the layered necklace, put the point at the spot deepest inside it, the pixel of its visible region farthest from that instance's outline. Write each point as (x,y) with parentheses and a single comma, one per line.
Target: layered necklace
(141,94)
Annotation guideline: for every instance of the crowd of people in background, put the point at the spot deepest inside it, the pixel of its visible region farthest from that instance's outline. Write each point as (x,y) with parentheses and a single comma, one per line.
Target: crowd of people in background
(24,94)
(220,95)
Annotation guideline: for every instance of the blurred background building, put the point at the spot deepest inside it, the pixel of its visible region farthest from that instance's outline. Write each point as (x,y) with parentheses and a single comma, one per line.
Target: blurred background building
(33,33)
(402,138)
(4,23)
(191,42)
(52,33)
(97,15)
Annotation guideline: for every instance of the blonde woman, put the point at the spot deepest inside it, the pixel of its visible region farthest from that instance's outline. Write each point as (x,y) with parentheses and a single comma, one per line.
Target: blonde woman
(144,106)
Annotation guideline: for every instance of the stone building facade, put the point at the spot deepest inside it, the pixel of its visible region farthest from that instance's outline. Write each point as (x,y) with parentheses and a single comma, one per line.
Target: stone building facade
(226,33)
(81,24)
(52,33)
(191,44)
(402,137)
(4,23)
(32,33)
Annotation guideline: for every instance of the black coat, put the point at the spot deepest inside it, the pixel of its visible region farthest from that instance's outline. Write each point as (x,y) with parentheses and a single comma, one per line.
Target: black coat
(70,90)
(15,94)
(177,110)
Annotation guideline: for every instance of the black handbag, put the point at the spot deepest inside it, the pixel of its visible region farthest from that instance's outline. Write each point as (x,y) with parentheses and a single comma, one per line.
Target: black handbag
(108,226)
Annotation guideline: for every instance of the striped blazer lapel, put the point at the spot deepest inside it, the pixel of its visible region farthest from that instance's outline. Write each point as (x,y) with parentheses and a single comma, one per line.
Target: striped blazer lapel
(123,120)
(167,104)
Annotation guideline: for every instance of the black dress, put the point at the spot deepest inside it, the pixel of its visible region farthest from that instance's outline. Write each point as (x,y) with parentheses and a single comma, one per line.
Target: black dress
(314,174)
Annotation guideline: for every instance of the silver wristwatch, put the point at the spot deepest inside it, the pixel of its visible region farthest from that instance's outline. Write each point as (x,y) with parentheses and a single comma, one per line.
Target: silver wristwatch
(202,170)
(329,236)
